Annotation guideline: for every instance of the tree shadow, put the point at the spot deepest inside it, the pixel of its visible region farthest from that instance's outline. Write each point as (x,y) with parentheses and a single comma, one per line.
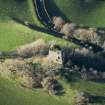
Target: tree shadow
(97,99)
(59,88)
(79,5)
(87,5)
(81,43)
(53,9)
(95,62)
(37,28)
(19,1)
(69,76)
(98,80)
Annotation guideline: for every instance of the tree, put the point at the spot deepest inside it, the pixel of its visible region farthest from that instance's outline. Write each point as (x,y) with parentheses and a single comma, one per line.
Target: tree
(68,29)
(20,71)
(103,75)
(88,35)
(82,51)
(81,98)
(51,85)
(58,22)
(38,47)
(88,1)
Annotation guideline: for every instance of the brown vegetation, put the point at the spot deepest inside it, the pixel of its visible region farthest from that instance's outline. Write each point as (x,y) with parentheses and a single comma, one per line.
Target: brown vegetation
(51,85)
(68,29)
(81,99)
(28,75)
(18,70)
(58,22)
(38,47)
(88,35)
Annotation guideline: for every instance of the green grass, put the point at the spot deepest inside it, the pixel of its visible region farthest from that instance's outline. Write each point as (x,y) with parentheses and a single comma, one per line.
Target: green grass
(89,14)
(13,35)
(21,9)
(12,94)
(92,88)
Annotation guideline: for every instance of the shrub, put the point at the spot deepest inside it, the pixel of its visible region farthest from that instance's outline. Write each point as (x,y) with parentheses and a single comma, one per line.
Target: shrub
(81,98)
(82,51)
(51,85)
(88,35)
(103,46)
(20,71)
(38,47)
(68,29)
(103,75)
(28,75)
(53,58)
(58,22)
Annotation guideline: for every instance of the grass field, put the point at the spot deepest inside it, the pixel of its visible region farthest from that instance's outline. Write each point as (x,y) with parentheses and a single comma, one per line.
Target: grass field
(13,35)
(96,91)
(89,14)
(12,94)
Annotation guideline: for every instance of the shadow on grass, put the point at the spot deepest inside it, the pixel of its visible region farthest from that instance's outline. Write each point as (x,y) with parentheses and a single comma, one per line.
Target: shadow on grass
(20,1)
(80,5)
(98,80)
(97,63)
(97,99)
(87,5)
(53,9)
(96,48)
(37,28)
(60,90)
(69,76)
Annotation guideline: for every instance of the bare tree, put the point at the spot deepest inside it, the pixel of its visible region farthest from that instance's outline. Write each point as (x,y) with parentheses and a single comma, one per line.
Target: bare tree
(88,35)
(58,22)
(103,75)
(18,70)
(39,47)
(68,29)
(81,98)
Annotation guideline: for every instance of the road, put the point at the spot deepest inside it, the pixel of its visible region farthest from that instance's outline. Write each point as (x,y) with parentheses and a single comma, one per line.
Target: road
(45,19)
(42,14)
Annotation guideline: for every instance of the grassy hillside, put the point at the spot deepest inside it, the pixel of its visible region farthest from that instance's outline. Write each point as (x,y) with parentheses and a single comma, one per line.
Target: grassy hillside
(21,9)
(95,89)
(13,34)
(89,14)
(12,94)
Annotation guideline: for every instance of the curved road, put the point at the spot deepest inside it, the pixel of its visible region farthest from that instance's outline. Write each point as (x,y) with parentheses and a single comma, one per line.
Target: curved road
(45,19)
(42,13)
